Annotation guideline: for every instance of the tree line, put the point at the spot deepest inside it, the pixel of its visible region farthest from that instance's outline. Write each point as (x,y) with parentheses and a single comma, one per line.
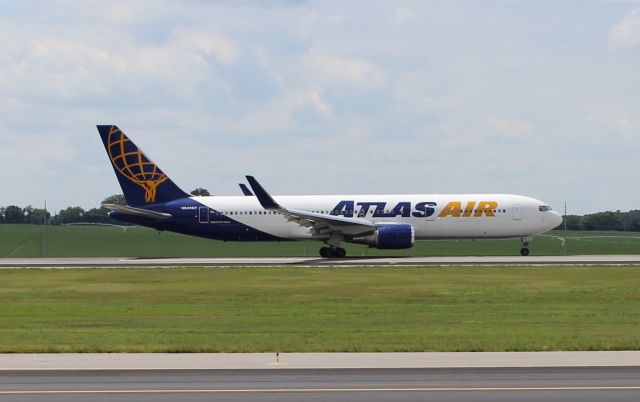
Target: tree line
(620,221)
(40,216)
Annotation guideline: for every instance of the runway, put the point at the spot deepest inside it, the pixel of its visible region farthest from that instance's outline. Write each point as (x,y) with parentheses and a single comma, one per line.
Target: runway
(372,385)
(109,262)
(499,376)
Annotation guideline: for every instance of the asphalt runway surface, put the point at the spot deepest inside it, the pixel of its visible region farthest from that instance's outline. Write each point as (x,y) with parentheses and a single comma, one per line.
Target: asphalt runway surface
(314,261)
(372,385)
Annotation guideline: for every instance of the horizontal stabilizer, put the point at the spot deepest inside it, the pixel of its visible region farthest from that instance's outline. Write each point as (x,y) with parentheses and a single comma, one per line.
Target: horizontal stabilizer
(144,213)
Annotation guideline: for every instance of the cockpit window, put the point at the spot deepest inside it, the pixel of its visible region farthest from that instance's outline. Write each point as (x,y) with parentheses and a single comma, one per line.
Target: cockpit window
(543,208)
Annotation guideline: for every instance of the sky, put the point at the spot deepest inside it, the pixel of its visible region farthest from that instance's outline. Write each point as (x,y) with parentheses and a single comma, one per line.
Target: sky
(540,98)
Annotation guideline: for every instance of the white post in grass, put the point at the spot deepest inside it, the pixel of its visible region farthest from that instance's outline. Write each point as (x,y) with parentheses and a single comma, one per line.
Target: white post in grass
(43,243)
(564,243)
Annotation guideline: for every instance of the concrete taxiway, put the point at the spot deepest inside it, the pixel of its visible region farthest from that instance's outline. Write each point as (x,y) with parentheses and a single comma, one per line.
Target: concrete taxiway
(313,261)
(255,361)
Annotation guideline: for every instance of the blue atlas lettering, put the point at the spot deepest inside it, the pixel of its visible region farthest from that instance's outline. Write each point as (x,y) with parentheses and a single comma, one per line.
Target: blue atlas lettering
(344,208)
(347,208)
(403,209)
(364,208)
(424,209)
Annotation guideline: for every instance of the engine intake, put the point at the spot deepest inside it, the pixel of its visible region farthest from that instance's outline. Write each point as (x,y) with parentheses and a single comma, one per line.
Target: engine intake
(393,236)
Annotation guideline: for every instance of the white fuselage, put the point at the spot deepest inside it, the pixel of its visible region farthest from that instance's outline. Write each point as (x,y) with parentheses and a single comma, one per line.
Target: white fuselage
(433,216)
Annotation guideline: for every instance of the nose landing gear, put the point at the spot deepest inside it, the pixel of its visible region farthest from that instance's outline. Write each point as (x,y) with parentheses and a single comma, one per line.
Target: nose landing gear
(525,246)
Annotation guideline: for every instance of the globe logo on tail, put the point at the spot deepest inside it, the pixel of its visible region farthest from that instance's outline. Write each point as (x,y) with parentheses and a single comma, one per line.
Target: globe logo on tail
(133,164)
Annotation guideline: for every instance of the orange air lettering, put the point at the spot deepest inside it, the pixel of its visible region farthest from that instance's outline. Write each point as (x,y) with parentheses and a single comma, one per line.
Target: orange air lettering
(469,208)
(454,208)
(486,207)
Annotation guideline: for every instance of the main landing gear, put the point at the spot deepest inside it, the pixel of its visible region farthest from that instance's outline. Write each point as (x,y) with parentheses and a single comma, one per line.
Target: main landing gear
(333,252)
(525,246)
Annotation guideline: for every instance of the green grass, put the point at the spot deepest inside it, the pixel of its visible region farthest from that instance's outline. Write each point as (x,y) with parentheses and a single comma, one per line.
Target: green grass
(320,309)
(85,241)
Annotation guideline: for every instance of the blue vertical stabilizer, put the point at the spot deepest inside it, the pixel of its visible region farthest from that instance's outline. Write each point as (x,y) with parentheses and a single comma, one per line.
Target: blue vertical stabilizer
(141,180)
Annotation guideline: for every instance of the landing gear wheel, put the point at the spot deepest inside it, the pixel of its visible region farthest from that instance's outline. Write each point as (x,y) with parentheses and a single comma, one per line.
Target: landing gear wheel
(333,252)
(524,251)
(325,252)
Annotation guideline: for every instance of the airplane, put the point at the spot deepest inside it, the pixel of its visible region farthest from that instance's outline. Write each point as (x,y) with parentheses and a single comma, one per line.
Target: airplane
(390,222)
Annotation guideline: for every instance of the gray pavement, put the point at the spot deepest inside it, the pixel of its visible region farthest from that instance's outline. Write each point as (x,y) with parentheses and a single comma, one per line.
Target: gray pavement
(443,384)
(252,361)
(313,261)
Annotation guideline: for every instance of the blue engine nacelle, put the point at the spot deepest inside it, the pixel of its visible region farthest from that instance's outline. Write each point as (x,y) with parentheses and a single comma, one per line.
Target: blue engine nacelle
(392,236)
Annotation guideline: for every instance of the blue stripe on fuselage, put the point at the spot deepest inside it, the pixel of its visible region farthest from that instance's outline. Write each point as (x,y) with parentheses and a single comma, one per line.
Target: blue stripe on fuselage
(186,220)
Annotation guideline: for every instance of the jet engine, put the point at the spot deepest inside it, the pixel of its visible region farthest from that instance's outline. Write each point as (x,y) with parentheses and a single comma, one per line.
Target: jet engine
(391,236)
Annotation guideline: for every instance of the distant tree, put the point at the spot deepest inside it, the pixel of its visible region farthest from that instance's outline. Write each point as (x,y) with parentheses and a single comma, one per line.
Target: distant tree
(631,220)
(96,215)
(70,215)
(2,214)
(36,216)
(200,192)
(13,214)
(573,222)
(115,199)
(602,221)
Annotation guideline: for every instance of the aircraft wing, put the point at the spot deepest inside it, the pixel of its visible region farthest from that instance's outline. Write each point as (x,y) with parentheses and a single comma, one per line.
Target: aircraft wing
(320,223)
(144,213)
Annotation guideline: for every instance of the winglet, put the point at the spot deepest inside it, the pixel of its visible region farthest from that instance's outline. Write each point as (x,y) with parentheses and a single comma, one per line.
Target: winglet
(245,190)
(263,197)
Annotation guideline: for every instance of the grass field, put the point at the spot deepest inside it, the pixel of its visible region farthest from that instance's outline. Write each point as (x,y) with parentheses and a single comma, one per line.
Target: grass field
(86,241)
(320,309)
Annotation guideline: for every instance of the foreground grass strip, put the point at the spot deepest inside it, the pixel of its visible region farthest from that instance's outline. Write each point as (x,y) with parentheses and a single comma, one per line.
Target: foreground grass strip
(320,309)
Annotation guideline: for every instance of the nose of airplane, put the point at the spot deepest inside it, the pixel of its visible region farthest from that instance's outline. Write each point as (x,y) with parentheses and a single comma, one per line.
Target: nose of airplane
(556,219)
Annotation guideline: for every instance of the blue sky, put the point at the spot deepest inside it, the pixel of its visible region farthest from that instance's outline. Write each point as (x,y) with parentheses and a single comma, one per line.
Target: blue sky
(540,98)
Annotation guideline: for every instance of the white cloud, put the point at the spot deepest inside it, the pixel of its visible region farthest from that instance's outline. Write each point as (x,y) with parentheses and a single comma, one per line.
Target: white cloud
(515,129)
(627,31)
(404,14)
(203,44)
(121,13)
(343,70)
(617,126)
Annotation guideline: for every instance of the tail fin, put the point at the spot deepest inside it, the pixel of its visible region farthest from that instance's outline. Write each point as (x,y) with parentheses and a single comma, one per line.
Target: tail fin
(141,180)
